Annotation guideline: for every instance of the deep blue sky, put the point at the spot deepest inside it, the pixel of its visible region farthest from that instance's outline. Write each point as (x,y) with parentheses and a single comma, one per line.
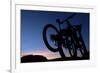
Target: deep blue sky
(32,23)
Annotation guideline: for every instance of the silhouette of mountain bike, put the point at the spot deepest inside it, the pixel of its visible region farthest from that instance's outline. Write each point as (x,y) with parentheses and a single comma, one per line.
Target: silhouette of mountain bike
(69,38)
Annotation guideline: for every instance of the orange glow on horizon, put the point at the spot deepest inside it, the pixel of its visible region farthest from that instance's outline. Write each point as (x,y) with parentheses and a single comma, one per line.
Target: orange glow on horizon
(48,54)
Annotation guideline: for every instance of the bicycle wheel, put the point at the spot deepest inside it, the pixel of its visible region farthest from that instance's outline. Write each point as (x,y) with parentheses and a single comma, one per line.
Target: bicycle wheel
(82,46)
(48,30)
(71,47)
(71,50)
(83,50)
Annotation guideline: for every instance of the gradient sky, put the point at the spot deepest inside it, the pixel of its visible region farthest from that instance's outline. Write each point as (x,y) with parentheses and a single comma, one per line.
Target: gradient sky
(33,22)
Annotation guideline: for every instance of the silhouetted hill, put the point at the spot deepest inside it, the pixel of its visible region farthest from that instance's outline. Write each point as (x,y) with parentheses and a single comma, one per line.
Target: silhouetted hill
(33,58)
(39,58)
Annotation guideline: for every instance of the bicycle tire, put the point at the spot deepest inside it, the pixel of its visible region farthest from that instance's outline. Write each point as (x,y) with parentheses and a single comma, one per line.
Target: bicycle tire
(45,38)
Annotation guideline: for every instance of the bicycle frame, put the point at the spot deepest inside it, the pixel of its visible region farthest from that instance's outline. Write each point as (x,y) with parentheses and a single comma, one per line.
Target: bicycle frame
(73,38)
(75,29)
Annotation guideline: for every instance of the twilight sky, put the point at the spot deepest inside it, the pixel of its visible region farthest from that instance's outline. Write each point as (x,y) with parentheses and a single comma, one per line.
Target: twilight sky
(32,24)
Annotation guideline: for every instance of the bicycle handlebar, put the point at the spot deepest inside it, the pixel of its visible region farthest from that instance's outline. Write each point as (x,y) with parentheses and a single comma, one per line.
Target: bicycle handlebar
(61,22)
(71,16)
